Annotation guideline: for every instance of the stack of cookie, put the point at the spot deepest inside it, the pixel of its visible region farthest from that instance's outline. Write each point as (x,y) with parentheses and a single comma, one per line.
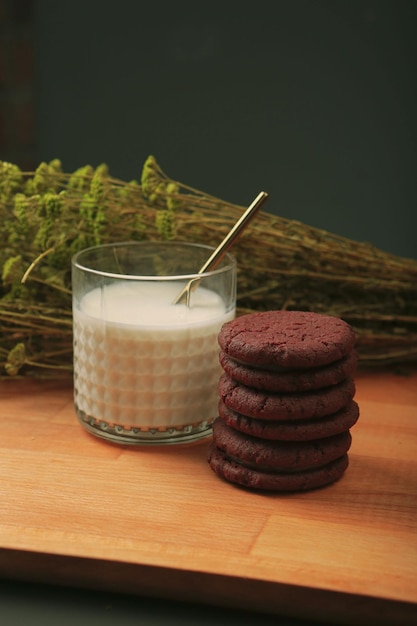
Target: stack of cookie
(286,400)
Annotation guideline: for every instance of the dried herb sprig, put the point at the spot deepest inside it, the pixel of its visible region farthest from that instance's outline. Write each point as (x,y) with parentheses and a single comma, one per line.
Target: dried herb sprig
(48,215)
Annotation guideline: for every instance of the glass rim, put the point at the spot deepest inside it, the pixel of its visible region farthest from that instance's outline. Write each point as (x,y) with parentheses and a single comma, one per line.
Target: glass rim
(229,258)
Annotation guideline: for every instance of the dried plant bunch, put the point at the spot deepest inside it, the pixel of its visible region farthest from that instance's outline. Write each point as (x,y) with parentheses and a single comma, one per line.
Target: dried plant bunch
(48,215)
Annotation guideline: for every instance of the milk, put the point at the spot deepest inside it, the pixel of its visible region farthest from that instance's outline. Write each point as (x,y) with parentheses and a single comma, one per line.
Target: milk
(141,361)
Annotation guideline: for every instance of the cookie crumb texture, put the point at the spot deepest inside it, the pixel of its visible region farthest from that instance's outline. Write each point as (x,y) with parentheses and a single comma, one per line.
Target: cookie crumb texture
(288,339)
(286,401)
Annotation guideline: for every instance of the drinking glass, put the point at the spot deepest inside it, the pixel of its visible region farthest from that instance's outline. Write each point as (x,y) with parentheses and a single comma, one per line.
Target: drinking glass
(146,368)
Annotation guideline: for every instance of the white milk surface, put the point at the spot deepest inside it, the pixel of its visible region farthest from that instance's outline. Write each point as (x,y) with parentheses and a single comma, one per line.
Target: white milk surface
(141,361)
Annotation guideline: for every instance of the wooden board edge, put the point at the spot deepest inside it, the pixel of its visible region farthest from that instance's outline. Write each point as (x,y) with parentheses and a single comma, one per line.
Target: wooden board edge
(197,587)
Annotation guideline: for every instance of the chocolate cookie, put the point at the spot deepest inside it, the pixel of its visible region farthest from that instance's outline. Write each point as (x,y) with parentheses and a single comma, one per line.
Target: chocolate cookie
(285,406)
(290,380)
(270,456)
(294,430)
(303,480)
(286,339)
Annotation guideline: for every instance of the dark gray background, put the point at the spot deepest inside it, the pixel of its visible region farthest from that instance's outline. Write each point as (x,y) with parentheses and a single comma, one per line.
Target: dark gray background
(313,101)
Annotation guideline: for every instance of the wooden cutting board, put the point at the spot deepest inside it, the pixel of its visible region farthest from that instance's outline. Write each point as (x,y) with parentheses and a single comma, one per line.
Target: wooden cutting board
(76,510)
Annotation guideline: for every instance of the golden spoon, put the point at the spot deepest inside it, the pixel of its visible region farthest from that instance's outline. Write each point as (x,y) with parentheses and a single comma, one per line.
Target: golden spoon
(226,244)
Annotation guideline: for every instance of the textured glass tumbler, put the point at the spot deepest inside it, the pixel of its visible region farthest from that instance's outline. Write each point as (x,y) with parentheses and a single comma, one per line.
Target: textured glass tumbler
(146,369)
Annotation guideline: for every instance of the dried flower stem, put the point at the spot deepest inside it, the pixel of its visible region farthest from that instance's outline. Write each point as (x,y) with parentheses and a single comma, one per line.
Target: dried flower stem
(48,215)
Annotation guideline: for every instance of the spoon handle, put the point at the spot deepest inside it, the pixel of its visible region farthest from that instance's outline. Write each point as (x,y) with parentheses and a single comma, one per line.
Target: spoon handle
(224,246)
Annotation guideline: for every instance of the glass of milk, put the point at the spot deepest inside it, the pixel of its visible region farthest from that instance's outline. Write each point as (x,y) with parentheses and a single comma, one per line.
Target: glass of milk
(146,369)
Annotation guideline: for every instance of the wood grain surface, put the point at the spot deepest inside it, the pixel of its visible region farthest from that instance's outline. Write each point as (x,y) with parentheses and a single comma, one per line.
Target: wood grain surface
(76,510)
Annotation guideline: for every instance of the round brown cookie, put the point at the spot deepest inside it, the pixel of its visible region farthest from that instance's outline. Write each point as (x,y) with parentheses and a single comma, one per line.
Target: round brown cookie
(232,471)
(285,406)
(289,339)
(269,456)
(292,380)
(295,430)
